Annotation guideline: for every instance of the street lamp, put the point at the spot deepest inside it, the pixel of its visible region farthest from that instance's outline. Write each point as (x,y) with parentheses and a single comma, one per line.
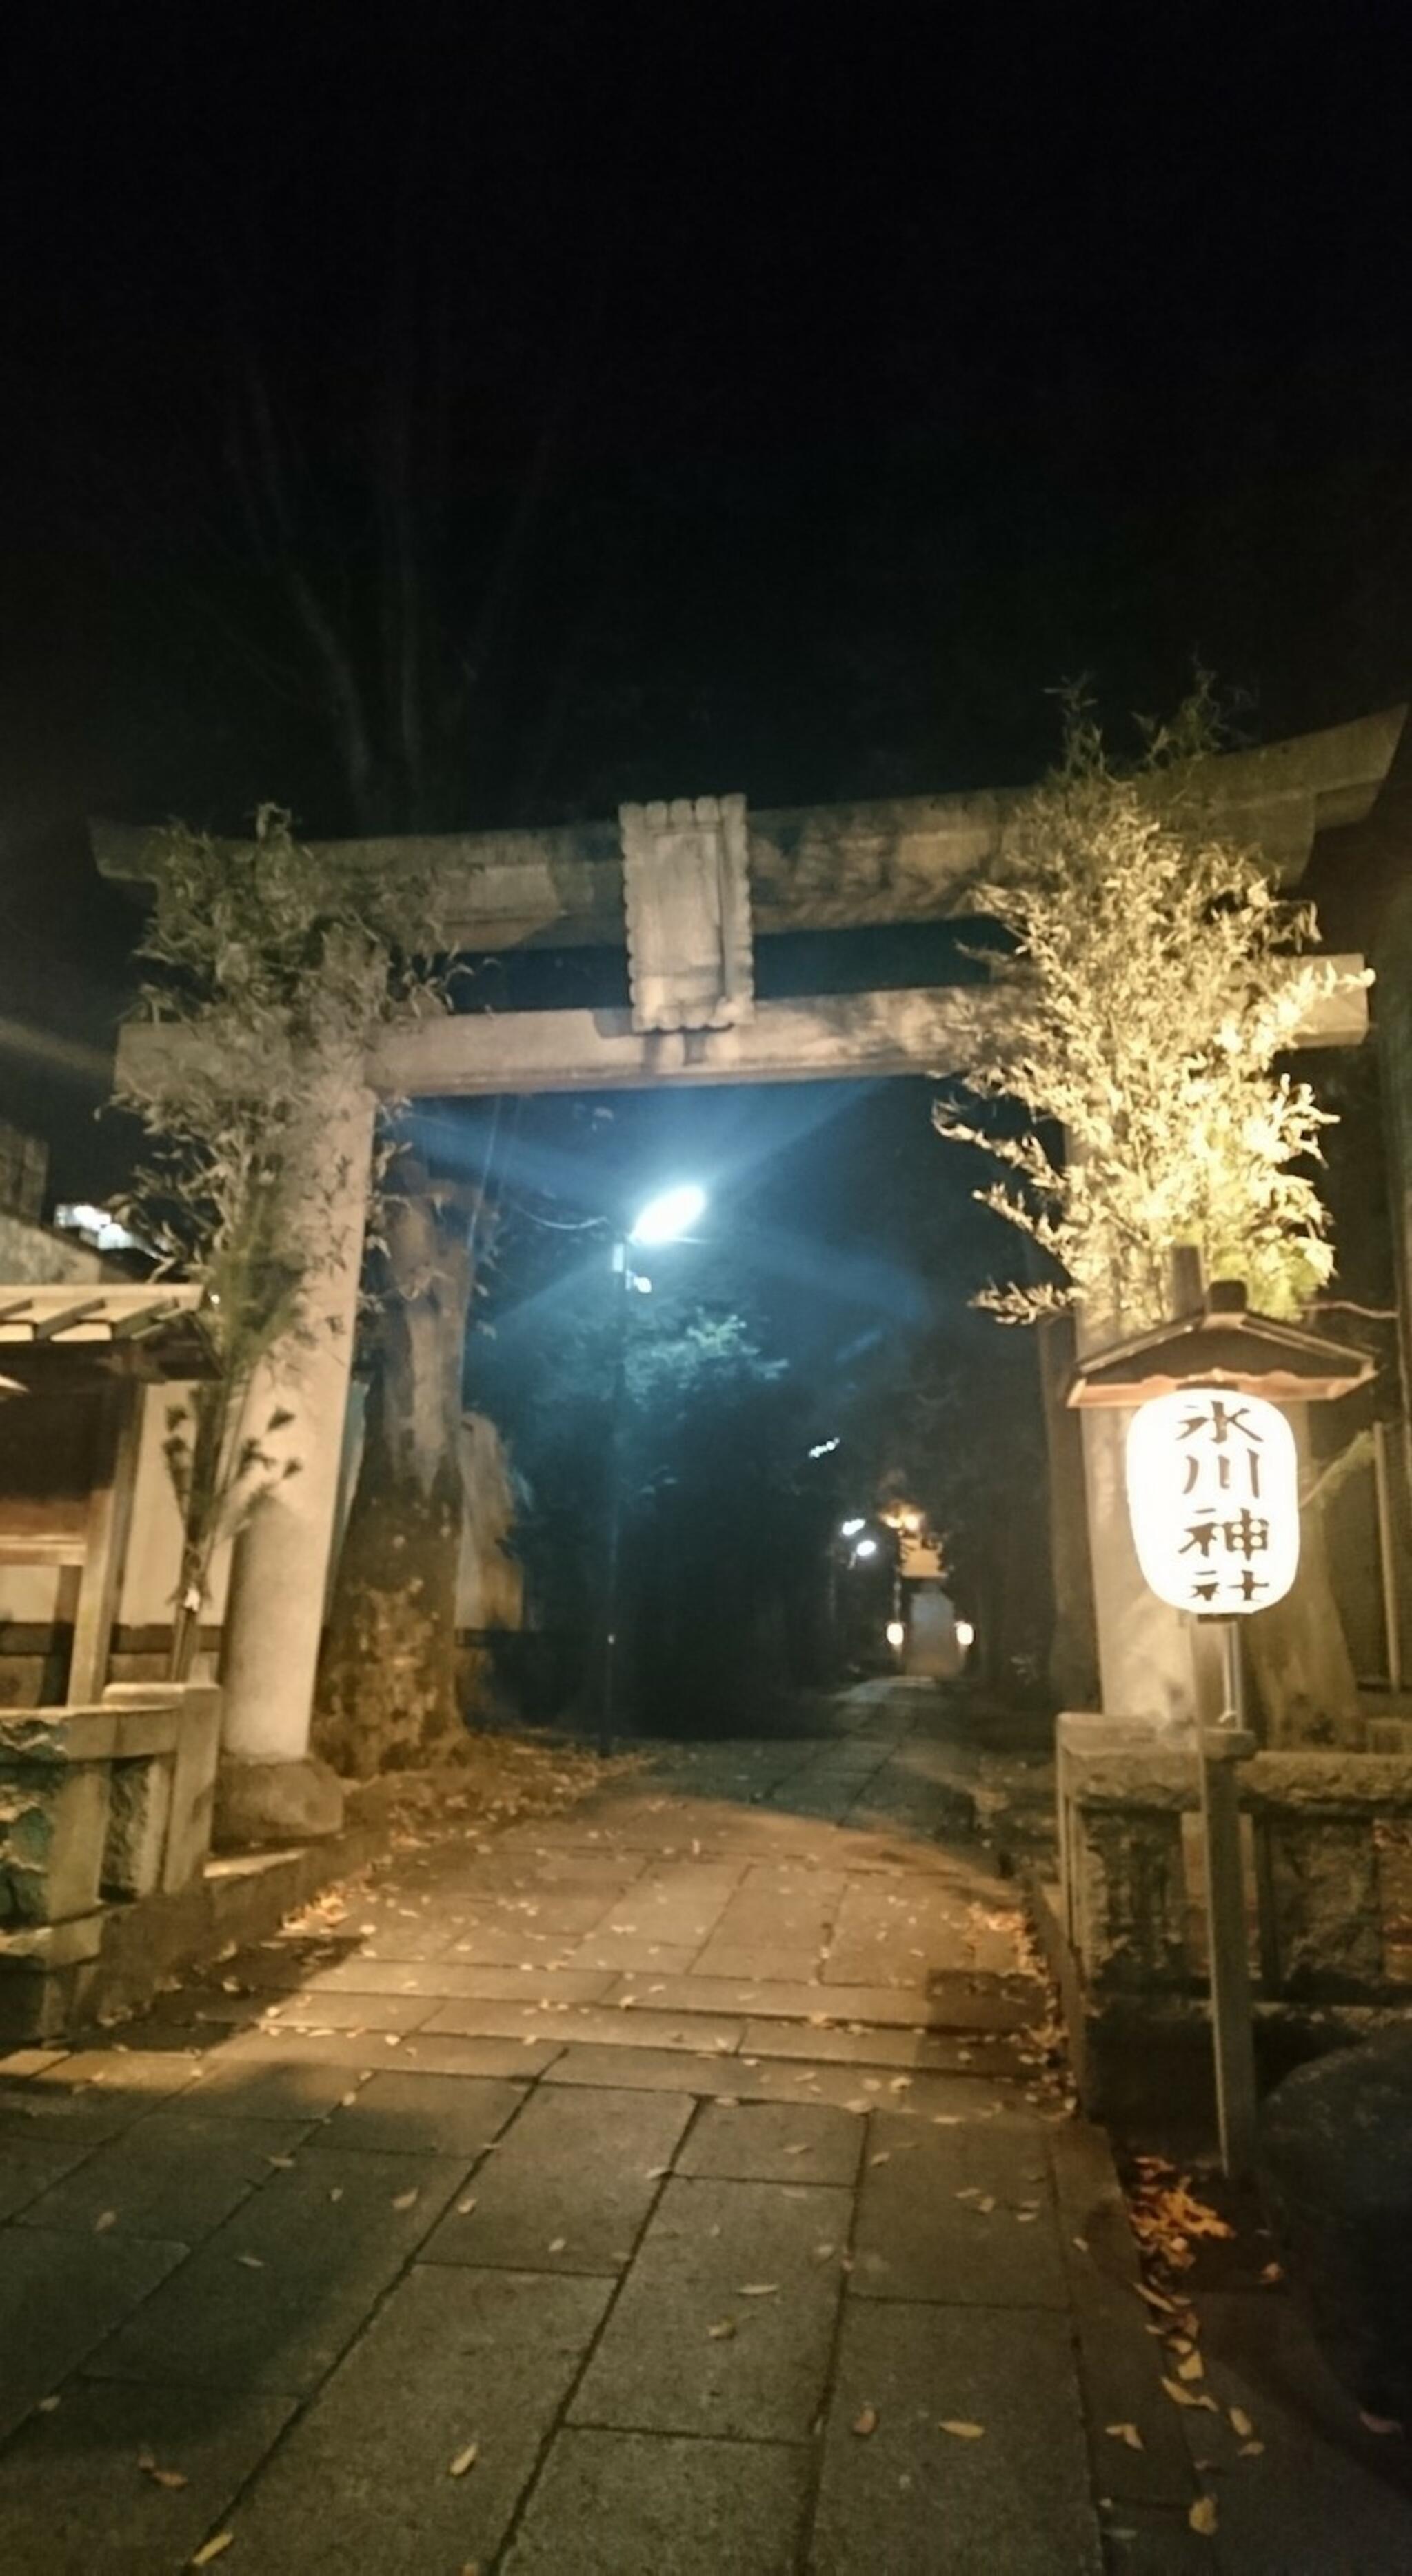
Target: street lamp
(665,1219)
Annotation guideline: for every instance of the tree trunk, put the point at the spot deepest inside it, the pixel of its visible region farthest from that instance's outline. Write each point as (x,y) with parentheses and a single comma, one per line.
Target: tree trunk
(388,1696)
(1073,1646)
(1299,1658)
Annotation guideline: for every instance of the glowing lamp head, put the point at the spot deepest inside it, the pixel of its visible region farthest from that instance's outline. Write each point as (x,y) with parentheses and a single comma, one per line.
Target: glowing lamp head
(896,1634)
(666,1218)
(965,1634)
(866,1547)
(1213,1495)
(850,1529)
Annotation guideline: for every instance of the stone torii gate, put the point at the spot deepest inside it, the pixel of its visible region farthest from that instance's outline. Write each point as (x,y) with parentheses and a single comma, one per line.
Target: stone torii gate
(688,886)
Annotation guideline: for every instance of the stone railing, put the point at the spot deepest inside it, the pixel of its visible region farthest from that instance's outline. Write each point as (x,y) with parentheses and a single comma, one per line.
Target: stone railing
(99,1806)
(1329,1866)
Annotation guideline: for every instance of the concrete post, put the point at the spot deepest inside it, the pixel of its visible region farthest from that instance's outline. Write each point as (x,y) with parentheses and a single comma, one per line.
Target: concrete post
(271,1789)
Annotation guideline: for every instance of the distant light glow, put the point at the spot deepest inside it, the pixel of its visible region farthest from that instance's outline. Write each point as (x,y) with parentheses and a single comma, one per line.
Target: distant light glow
(850,1529)
(821,1448)
(896,1633)
(866,1547)
(666,1218)
(76,1216)
(965,1634)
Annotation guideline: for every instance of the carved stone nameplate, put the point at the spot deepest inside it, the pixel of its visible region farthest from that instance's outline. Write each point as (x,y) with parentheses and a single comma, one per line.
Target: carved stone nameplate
(686,890)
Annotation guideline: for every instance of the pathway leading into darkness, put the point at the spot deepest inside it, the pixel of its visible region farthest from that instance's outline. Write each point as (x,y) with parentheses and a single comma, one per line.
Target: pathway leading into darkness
(667,2189)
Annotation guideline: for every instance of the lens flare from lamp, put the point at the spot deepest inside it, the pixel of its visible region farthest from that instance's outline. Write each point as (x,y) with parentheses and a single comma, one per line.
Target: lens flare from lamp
(850,1529)
(667,1218)
(866,1547)
(965,1634)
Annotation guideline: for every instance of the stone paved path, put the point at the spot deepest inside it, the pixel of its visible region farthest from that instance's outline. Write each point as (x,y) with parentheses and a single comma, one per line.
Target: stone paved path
(662,2190)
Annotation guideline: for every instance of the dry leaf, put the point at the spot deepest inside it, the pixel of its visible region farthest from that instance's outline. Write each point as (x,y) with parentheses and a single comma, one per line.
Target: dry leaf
(464,2207)
(212,2548)
(867,2421)
(251,2262)
(1191,2366)
(405,2199)
(758,2289)
(159,2477)
(1240,2422)
(963,2431)
(1273,2272)
(337,2192)
(106,2218)
(464,2460)
(883,2157)
(1188,2396)
(1126,2433)
(282,2164)
(1202,2516)
(47,2405)
(985,2204)
(557,2244)
(1251,2450)
(1378,2423)
(722,2331)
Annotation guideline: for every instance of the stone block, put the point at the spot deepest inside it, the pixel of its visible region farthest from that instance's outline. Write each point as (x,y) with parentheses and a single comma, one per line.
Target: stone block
(259,1803)
(139,1807)
(925,2229)
(1127,1896)
(60,2294)
(193,1806)
(1323,1929)
(75,2503)
(53,1823)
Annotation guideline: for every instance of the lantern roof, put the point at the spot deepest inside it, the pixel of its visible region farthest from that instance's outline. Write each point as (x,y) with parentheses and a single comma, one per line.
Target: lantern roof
(1220,1343)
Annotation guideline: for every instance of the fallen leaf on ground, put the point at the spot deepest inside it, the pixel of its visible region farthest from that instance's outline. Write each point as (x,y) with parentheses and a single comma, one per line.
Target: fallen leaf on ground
(405,2199)
(1188,2396)
(337,2192)
(1240,2422)
(464,2207)
(1126,2433)
(758,2289)
(985,2204)
(557,2244)
(282,2164)
(212,2548)
(867,2421)
(159,2477)
(106,2218)
(464,2460)
(722,2331)
(251,2262)
(1202,2516)
(1273,2272)
(1191,2366)
(962,2431)
(1251,2450)
(883,2157)
(47,2405)
(1378,2423)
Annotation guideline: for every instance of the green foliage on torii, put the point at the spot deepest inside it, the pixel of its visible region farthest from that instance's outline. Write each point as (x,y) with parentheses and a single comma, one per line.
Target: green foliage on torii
(273,977)
(1154,979)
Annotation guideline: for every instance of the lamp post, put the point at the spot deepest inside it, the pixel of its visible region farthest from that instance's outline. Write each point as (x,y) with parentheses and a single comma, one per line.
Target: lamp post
(665,1219)
(1213,1498)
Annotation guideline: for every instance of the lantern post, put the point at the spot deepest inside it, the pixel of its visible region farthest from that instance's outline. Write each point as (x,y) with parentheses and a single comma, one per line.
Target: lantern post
(1213,1497)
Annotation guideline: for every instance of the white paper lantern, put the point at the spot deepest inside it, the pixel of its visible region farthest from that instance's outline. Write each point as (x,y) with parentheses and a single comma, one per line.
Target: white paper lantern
(1213,1493)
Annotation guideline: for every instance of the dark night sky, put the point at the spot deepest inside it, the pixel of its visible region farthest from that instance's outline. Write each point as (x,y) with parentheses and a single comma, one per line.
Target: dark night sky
(795,395)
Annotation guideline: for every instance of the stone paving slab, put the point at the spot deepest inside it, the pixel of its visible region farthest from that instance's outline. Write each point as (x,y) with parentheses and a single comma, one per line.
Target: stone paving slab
(803,2000)
(322,2011)
(441,2115)
(176,2178)
(773,2142)
(274,2296)
(916,2501)
(697,2508)
(273,2087)
(708,2247)
(75,2502)
(60,2294)
(448,1977)
(365,2052)
(568,2187)
(639,1951)
(363,2481)
(28,2168)
(737,1962)
(924,2228)
(610,2026)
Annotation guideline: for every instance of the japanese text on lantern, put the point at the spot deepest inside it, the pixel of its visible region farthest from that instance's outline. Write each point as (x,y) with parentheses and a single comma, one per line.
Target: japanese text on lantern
(1213,1491)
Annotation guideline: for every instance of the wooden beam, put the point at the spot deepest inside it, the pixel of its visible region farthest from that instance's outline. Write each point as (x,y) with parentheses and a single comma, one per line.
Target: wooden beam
(109,1515)
(829,867)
